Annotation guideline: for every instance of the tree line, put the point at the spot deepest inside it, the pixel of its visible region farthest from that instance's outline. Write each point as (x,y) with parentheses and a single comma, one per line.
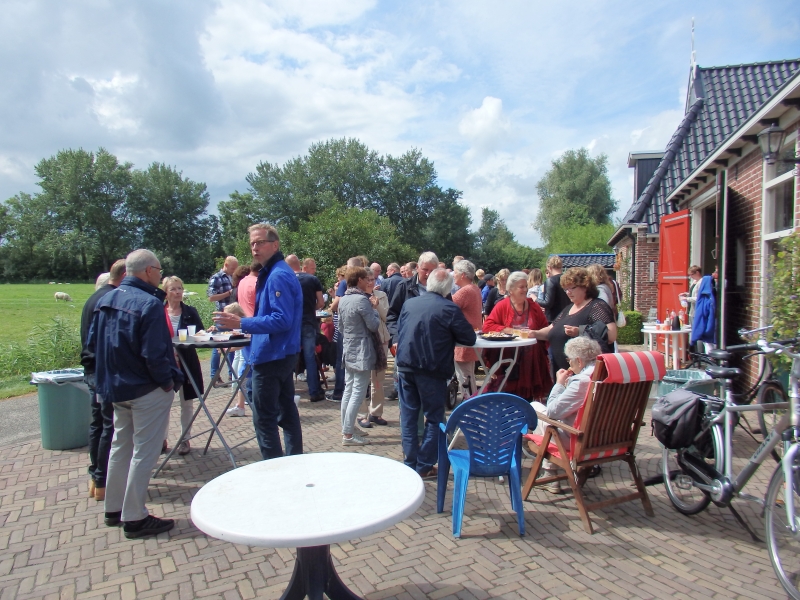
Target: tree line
(339,200)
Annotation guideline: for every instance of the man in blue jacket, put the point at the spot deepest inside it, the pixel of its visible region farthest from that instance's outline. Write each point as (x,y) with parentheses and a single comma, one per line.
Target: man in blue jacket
(428,330)
(275,344)
(135,370)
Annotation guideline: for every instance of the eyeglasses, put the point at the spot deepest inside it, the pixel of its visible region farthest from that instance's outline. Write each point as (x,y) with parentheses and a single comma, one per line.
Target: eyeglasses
(160,270)
(571,289)
(256,243)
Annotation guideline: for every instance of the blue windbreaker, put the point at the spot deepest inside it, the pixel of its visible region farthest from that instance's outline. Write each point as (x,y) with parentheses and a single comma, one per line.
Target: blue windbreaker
(279,313)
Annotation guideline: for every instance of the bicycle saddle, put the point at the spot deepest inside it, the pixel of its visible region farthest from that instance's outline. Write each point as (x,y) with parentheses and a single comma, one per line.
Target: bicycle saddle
(723,372)
(720,355)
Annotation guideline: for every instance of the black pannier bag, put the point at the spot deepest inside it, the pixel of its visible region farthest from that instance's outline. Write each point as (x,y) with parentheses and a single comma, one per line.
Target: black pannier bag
(677,418)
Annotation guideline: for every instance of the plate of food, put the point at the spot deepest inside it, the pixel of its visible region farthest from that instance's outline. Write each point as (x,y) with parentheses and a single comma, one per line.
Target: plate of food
(497,336)
(221,337)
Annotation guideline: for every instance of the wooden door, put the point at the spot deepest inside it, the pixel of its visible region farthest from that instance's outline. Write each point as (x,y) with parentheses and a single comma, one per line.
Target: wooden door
(673,260)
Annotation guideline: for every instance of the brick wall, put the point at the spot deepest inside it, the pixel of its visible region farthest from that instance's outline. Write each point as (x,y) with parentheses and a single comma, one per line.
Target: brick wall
(646,290)
(743,303)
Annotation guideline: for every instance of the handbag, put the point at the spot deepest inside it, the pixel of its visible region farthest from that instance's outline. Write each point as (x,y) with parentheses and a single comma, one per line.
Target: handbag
(621,321)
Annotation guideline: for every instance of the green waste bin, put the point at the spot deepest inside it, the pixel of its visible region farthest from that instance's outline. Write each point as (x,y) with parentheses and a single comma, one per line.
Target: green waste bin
(690,379)
(65,409)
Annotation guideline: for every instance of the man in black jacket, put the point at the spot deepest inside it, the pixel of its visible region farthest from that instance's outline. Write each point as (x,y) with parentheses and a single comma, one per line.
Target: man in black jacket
(406,288)
(428,330)
(553,298)
(392,280)
(101,429)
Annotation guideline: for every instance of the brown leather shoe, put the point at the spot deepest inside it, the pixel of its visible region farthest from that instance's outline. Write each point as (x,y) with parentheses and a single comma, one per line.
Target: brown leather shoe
(99,493)
(91,488)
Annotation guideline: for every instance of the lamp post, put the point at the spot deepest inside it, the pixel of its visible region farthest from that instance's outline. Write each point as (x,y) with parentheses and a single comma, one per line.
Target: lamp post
(770,140)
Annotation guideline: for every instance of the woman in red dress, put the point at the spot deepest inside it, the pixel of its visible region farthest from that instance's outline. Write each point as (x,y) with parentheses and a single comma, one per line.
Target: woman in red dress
(530,378)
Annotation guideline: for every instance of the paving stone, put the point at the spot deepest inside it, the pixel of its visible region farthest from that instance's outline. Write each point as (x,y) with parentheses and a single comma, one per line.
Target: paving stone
(53,543)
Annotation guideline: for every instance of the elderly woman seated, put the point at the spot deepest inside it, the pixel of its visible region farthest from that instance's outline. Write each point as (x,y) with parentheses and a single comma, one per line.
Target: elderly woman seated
(568,394)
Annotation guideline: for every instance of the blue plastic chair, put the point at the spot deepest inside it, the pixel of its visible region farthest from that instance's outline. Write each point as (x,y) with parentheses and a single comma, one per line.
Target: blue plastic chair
(493,425)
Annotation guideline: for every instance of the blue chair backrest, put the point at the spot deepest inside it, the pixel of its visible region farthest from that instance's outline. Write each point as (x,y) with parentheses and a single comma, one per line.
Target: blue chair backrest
(492,425)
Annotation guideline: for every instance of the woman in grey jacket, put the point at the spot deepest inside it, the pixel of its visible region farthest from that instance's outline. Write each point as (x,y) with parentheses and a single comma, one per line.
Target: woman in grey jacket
(358,320)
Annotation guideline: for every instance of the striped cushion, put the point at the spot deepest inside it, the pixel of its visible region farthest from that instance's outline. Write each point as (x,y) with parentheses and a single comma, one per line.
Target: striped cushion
(630,367)
(604,453)
(537,439)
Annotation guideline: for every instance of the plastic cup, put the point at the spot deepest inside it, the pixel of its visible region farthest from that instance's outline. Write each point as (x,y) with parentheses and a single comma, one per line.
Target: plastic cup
(192,329)
(182,333)
(297,400)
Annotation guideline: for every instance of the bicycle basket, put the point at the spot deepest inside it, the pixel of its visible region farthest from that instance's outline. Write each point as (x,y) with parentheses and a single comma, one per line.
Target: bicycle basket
(677,418)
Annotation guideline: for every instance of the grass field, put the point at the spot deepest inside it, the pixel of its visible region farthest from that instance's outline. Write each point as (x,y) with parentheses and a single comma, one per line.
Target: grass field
(28,306)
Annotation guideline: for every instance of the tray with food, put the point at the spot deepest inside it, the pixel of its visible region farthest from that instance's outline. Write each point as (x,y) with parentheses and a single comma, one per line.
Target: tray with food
(497,336)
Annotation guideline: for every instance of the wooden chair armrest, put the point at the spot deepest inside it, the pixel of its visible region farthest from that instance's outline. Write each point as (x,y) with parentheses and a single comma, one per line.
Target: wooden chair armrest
(559,424)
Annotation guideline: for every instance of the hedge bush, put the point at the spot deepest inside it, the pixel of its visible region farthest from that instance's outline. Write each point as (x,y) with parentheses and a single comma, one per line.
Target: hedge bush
(631,334)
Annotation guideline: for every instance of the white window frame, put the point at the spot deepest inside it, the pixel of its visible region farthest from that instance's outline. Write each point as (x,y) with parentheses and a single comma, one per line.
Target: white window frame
(769,182)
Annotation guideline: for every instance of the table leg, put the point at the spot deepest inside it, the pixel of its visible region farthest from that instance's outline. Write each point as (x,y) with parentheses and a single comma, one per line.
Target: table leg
(315,575)
(202,406)
(676,352)
(236,388)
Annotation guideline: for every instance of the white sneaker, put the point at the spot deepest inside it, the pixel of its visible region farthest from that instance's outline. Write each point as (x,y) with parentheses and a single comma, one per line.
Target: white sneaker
(301,377)
(235,412)
(354,441)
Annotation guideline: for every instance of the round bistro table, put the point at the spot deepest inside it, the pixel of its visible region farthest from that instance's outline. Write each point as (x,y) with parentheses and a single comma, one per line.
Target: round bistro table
(484,344)
(308,502)
(224,347)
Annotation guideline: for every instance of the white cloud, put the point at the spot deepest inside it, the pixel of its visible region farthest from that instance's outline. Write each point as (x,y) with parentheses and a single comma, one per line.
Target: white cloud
(490,92)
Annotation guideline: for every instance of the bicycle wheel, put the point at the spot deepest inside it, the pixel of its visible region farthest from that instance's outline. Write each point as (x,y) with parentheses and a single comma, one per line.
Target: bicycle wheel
(783,546)
(770,393)
(678,482)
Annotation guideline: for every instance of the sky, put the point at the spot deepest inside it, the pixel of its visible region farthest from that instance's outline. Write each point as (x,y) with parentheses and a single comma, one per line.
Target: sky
(491,92)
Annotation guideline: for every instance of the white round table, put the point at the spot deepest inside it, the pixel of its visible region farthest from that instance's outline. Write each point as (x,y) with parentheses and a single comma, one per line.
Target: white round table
(671,336)
(308,502)
(484,344)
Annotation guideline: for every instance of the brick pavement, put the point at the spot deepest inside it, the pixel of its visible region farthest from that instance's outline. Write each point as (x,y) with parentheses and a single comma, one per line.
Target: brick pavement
(53,543)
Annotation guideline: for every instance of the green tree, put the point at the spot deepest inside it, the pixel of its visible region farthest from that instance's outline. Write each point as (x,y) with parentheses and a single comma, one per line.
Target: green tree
(576,190)
(572,238)
(87,197)
(497,249)
(235,215)
(447,230)
(168,213)
(337,233)
(343,170)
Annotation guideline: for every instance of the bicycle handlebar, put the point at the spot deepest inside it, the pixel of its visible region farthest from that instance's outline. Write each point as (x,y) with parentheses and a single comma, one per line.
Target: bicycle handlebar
(780,347)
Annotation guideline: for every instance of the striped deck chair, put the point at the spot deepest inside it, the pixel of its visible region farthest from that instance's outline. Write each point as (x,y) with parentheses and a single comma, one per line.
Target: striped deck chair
(606,428)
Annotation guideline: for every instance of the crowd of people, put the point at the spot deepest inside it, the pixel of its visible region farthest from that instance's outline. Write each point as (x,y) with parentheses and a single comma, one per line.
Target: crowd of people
(424,314)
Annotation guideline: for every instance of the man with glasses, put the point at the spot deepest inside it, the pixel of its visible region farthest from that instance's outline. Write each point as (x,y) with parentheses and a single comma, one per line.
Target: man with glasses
(136,371)
(275,345)
(220,289)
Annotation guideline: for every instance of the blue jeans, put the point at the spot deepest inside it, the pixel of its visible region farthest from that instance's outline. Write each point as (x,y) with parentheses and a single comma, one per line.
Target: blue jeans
(101,430)
(308,343)
(426,393)
(338,387)
(215,354)
(273,406)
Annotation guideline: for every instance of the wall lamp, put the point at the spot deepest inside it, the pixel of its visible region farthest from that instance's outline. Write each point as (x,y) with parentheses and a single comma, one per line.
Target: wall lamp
(770,141)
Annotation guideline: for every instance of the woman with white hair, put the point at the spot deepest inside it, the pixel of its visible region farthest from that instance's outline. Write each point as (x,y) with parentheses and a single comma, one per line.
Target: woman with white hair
(530,378)
(568,394)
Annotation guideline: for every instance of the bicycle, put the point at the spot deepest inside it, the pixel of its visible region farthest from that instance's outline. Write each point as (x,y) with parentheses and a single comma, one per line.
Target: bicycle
(766,390)
(703,472)
(783,534)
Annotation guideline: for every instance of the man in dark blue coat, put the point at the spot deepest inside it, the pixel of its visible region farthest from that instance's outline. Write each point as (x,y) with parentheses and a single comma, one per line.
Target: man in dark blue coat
(428,330)
(137,372)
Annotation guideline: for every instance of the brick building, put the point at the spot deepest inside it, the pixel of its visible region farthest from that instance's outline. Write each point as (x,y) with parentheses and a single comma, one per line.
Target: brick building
(711,194)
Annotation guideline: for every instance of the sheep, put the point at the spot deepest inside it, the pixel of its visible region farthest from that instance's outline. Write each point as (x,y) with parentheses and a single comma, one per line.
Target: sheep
(63,296)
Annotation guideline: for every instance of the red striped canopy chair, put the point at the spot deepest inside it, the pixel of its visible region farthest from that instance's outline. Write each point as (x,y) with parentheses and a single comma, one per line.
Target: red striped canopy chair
(606,429)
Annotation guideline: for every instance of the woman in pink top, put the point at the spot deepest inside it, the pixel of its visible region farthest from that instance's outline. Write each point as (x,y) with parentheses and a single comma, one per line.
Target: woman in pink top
(468,298)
